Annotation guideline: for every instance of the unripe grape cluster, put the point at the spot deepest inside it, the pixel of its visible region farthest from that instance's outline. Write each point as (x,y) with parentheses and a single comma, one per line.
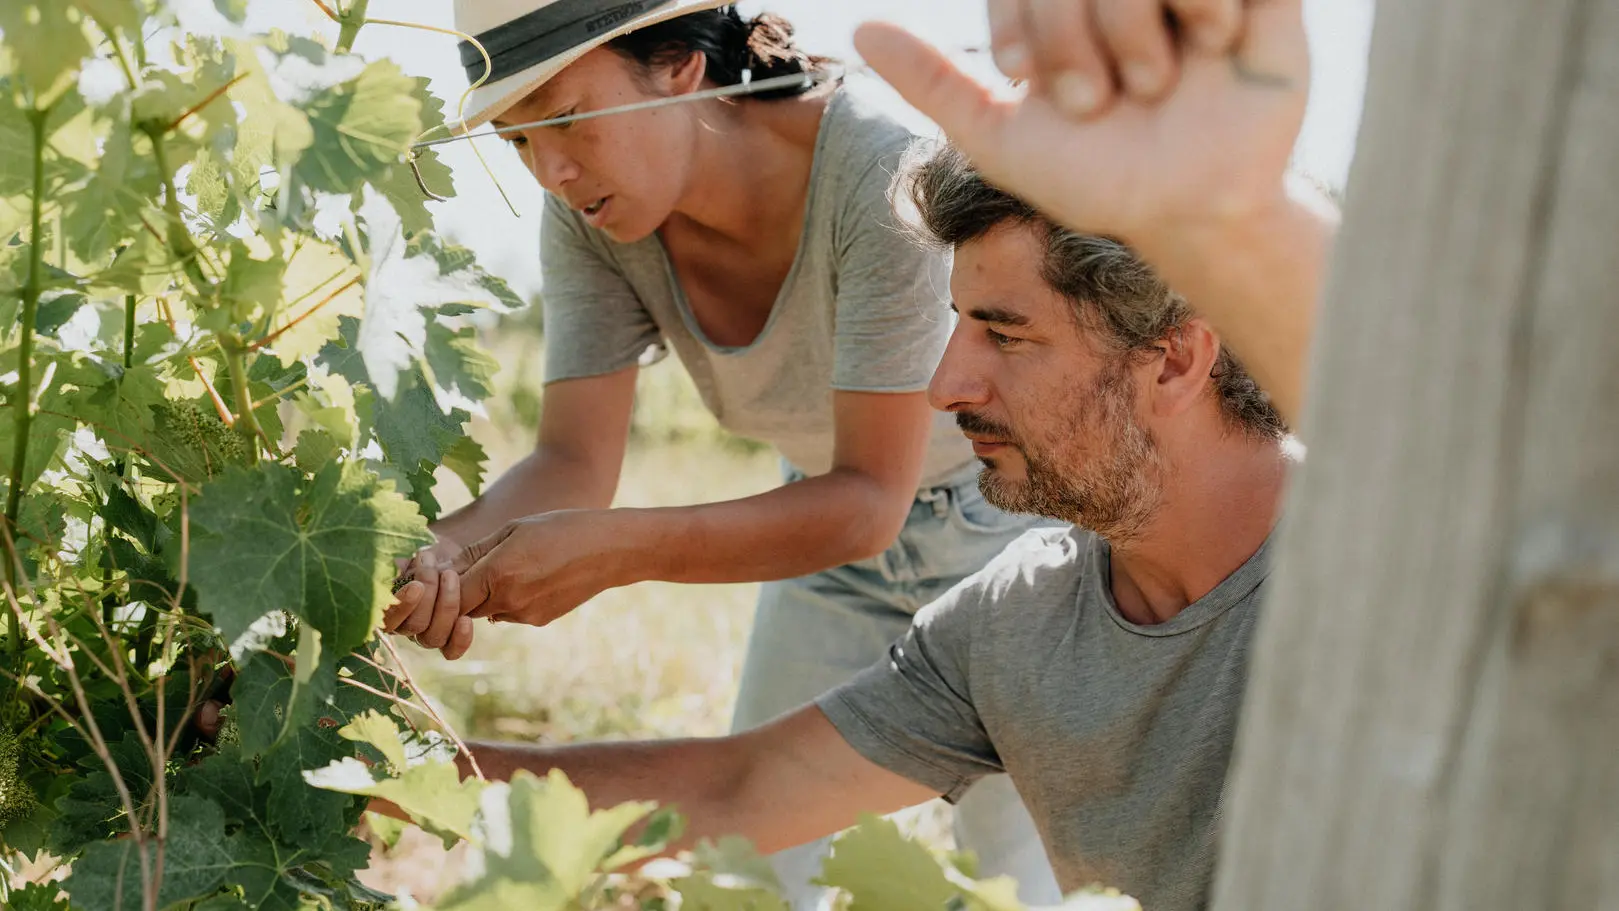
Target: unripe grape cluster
(196,429)
(17,799)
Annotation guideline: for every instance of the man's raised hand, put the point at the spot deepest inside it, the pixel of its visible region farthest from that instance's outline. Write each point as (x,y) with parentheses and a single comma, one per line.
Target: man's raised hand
(1144,118)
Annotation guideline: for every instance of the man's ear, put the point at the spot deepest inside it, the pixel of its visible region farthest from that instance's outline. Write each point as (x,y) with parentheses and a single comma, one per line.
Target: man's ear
(1190,352)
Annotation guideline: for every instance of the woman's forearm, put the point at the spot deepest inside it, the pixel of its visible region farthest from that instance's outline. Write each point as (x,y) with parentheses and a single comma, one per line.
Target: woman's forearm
(542,481)
(794,530)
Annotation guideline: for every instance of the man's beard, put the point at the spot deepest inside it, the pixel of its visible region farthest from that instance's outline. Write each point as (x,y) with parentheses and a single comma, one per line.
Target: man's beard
(1102,471)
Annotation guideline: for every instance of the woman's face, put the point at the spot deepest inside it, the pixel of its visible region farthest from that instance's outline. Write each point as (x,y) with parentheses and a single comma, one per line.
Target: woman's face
(624,172)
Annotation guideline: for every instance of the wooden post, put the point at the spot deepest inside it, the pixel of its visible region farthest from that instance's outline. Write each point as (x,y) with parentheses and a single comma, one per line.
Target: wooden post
(1433,718)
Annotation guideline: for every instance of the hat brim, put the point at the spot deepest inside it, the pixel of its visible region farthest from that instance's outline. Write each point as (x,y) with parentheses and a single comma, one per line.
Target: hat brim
(486,102)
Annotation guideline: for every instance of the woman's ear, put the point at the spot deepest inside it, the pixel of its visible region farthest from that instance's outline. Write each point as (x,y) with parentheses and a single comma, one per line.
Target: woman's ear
(688,75)
(1190,352)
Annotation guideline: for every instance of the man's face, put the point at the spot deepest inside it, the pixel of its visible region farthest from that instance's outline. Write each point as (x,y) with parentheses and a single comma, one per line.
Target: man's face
(1052,414)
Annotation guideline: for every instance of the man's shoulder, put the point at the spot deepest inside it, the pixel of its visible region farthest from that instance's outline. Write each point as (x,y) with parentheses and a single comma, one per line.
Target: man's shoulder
(1038,568)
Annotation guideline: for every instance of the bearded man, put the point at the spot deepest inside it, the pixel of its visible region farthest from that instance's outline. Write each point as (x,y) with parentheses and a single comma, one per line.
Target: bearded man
(1100,663)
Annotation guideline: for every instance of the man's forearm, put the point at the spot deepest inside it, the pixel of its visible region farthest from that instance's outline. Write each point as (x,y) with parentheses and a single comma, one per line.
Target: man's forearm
(701,778)
(1259,282)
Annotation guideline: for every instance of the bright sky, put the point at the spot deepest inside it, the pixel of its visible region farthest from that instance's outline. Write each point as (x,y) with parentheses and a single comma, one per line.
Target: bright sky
(1340,32)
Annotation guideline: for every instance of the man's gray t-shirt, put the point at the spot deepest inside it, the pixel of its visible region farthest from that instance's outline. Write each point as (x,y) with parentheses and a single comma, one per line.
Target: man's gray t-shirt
(1117,735)
(864,309)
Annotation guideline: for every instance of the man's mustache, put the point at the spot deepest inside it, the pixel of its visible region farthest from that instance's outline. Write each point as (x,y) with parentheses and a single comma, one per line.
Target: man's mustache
(977,425)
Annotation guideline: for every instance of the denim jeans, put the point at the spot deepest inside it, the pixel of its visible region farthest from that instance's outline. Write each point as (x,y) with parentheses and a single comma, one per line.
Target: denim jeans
(813,633)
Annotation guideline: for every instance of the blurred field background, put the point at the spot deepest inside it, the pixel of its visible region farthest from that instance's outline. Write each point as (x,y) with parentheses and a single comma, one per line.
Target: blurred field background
(649,661)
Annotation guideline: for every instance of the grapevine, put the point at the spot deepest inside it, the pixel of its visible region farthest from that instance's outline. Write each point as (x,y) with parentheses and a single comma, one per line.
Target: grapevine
(233,352)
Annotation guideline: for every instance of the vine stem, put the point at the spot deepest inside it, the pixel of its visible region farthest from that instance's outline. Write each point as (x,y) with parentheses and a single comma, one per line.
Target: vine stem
(352,19)
(24,400)
(247,420)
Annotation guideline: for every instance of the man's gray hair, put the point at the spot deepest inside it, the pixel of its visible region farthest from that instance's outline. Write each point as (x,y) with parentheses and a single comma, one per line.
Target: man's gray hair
(1116,295)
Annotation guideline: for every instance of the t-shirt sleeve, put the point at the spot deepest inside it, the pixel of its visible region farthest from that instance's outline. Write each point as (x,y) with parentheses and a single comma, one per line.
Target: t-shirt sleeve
(893,318)
(913,713)
(594,322)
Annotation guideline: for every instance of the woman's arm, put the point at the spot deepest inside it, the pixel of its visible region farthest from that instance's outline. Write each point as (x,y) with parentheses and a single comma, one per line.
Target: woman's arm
(539,568)
(584,428)
(577,457)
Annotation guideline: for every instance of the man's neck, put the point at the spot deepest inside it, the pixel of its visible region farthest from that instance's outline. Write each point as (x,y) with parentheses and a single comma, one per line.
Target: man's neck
(1216,512)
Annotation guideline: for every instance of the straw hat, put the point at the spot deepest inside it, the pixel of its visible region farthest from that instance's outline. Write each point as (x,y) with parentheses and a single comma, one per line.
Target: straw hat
(530,41)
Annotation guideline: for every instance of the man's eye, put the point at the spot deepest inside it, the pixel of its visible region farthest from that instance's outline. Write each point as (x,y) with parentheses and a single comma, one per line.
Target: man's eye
(516,139)
(568,113)
(1001,341)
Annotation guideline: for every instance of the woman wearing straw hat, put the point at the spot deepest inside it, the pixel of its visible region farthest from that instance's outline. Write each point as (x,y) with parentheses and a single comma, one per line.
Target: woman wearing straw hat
(754,237)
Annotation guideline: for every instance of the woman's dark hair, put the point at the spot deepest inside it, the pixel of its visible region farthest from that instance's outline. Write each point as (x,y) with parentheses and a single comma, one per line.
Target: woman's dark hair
(731,44)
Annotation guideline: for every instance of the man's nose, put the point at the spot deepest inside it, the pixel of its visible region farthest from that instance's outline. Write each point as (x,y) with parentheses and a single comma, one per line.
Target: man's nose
(959,381)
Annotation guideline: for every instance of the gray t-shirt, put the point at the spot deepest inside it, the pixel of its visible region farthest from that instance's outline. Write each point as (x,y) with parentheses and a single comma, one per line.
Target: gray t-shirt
(1116,735)
(863,309)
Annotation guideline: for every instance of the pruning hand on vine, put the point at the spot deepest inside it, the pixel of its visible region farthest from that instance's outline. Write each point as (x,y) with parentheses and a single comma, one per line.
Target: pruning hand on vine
(1166,123)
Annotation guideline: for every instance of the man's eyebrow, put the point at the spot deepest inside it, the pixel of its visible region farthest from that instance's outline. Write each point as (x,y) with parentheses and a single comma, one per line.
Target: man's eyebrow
(998,316)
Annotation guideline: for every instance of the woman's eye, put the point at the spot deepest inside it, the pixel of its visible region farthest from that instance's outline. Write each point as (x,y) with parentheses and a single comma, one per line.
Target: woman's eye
(516,139)
(568,113)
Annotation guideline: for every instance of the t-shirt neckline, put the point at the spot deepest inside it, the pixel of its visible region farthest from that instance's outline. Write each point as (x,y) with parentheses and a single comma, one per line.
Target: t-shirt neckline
(1231,591)
(783,293)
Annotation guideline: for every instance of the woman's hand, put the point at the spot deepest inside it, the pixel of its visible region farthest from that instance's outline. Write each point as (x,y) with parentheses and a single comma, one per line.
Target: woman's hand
(416,613)
(1129,128)
(538,569)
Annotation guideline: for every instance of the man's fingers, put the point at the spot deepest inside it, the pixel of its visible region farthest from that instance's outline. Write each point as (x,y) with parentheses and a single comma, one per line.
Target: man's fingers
(460,639)
(446,610)
(929,81)
(1071,66)
(1008,40)
(1212,26)
(1136,36)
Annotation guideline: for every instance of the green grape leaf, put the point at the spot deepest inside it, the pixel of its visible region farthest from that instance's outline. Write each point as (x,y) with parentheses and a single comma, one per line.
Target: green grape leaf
(194,863)
(387,829)
(540,846)
(397,287)
(47,433)
(252,284)
(467,459)
(399,184)
(47,41)
(433,794)
(882,870)
(123,14)
(314,450)
(700,892)
(360,129)
(116,401)
(271,133)
(129,516)
(321,286)
(323,550)
(37,897)
(453,258)
(421,483)
(259,697)
(379,731)
(458,363)
(299,814)
(234,10)
(734,858)
(107,210)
